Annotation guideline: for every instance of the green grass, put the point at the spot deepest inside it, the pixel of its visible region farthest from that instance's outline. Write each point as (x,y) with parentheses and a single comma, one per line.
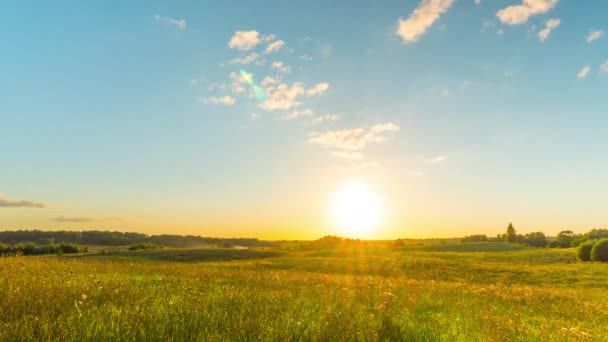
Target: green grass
(471,292)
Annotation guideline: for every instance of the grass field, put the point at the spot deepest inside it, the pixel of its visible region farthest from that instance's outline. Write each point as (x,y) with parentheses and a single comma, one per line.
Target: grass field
(468,292)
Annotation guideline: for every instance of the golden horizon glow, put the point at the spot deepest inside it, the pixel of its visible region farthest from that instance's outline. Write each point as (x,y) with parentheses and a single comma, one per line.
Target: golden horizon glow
(357,209)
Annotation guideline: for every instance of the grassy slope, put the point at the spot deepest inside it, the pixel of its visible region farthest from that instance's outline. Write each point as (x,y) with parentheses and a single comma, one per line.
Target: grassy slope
(368,294)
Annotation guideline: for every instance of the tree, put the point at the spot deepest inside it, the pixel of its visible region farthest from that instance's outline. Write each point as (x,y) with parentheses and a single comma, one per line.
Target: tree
(511,235)
(565,238)
(536,239)
(583,253)
(599,252)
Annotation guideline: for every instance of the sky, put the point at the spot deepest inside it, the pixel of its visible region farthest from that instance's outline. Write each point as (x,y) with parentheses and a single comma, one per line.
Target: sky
(242,118)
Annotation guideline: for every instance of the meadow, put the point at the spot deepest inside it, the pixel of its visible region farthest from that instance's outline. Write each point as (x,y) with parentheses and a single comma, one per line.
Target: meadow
(454,292)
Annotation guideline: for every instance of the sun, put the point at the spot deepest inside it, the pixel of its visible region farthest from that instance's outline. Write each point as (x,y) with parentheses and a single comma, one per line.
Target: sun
(356,209)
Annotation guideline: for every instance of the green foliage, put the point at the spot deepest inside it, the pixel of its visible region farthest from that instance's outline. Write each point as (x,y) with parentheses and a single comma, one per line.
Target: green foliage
(106,238)
(32,249)
(511,235)
(583,252)
(599,252)
(536,239)
(144,245)
(565,238)
(475,238)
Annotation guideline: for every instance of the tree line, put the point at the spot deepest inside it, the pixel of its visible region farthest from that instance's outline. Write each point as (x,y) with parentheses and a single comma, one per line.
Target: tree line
(108,238)
(33,249)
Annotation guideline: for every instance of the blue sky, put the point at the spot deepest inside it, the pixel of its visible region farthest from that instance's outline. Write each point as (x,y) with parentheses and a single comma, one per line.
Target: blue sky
(465,116)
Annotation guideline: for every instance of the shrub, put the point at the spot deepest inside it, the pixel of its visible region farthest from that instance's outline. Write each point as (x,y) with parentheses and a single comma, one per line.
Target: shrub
(553,244)
(583,253)
(599,252)
(475,238)
(144,245)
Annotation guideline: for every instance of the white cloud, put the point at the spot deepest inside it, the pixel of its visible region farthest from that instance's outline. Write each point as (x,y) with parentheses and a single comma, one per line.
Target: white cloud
(519,14)
(223,100)
(239,82)
(436,160)
(268,81)
(477,2)
(299,114)
(284,97)
(274,46)
(281,67)
(244,40)
(252,57)
(325,118)
(353,139)
(549,26)
(595,35)
(318,89)
(427,12)
(179,23)
(604,66)
(584,72)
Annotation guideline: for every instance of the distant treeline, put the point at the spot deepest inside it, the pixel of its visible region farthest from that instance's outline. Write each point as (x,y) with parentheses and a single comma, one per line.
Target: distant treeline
(565,239)
(107,238)
(32,249)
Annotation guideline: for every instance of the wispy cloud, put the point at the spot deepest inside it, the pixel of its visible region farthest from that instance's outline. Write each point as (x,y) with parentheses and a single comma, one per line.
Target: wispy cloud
(274,46)
(423,17)
(223,100)
(549,26)
(7,203)
(72,219)
(281,67)
(286,96)
(252,57)
(519,14)
(318,89)
(584,72)
(353,139)
(595,35)
(604,66)
(179,23)
(436,160)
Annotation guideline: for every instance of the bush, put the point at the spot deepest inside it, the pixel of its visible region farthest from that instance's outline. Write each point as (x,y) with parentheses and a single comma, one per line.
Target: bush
(475,238)
(599,252)
(583,253)
(144,245)
(554,244)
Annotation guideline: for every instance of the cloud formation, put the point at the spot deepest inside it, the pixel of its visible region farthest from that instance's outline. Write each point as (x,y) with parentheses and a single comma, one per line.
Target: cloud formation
(549,26)
(179,23)
(7,203)
(604,66)
(244,40)
(281,67)
(274,46)
(318,89)
(67,219)
(353,139)
(252,57)
(519,14)
(286,96)
(584,72)
(223,100)
(595,35)
(423,17)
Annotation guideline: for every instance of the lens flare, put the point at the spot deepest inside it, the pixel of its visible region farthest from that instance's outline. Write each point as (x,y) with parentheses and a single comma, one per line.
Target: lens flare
(259,93)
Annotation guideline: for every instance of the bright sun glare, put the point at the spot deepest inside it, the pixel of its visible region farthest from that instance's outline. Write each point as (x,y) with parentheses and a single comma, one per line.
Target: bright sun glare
(356,209)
